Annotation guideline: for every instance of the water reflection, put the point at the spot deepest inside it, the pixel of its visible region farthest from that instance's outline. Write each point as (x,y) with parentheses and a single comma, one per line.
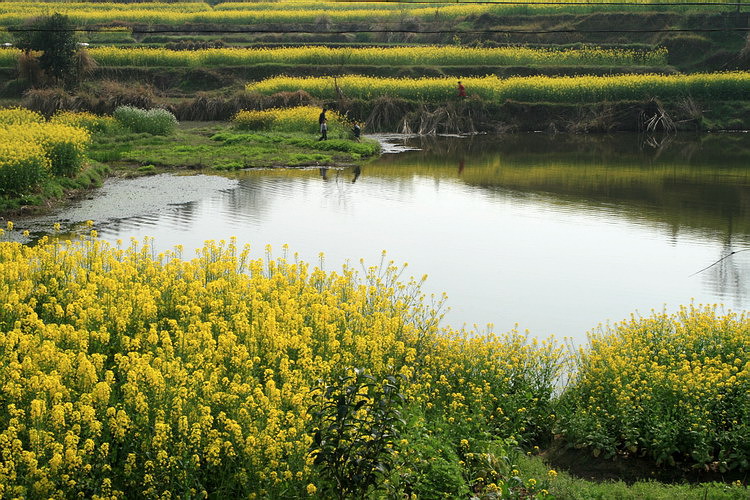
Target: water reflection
(555,233)
(628,218)
(688,183)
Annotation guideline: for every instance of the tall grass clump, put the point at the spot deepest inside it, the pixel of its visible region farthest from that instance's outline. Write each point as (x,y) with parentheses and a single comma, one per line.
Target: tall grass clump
(129,373)
(671,387)
(154,121)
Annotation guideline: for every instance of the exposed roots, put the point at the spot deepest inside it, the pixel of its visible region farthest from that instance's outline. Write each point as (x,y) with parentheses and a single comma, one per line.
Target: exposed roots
(654,118)
(387,114)
(448,119)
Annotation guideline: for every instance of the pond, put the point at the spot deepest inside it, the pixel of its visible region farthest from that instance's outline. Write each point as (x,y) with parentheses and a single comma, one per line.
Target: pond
(553,233)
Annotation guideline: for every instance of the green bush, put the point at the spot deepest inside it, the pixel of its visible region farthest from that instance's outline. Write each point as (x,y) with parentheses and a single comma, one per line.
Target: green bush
(430,468)
(355,423)
(154,121)
(673,388)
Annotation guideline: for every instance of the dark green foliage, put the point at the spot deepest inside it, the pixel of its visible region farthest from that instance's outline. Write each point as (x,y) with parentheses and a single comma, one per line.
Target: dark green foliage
(55,38)
(356,423)
(431,468)
(66,158)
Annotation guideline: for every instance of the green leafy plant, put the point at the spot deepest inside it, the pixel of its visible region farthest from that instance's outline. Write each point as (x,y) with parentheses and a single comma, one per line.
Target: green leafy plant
(357,422)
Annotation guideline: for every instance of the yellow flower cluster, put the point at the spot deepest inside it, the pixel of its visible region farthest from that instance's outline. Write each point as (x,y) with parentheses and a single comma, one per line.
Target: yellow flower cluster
(22,164)
(19,116)
(130,374)
(297,119)
(45,7)
(64,145)
(673,386)
(481,382)
(32,147)
(716,86)
(247,14)
(83,120)
(377,56)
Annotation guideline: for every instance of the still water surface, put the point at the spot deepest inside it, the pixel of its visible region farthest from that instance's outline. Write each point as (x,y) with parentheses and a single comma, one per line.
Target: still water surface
(556,234)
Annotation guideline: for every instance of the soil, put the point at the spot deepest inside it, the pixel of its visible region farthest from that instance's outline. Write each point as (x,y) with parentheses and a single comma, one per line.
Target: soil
(583,464)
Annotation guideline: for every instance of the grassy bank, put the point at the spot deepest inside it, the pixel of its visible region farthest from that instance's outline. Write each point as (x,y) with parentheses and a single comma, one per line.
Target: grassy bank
(140,142)
(395,114)
(218,147)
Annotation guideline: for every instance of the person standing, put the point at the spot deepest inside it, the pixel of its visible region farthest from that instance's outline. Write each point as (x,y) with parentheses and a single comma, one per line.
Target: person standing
(324,131)
(322,124)
(461,90)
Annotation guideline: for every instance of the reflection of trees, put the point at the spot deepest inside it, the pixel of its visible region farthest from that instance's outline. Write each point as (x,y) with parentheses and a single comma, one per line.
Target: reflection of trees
(685,182)
(699,182)
(623,148)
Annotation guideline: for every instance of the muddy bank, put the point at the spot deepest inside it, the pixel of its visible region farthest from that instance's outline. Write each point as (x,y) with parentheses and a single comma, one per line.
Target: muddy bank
(392,114)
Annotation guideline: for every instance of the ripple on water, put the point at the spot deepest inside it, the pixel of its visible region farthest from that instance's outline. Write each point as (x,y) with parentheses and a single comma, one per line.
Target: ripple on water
(140,197)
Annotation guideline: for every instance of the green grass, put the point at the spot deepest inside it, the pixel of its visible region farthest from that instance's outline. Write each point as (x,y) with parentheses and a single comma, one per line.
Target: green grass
(56,187)
(567,487)
(220,148)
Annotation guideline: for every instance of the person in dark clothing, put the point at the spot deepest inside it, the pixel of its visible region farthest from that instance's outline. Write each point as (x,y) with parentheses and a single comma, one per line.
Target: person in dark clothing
(357,131)
(322,116)
(323,124)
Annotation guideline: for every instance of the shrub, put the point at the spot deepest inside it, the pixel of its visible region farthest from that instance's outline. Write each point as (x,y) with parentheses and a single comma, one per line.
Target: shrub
(430,468)
(23,165)
(154,121)
(672,387)
(63,145)
(356,422)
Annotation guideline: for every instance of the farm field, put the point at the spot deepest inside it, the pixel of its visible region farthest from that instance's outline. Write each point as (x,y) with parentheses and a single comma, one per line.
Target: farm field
(200,69)
(373,56)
